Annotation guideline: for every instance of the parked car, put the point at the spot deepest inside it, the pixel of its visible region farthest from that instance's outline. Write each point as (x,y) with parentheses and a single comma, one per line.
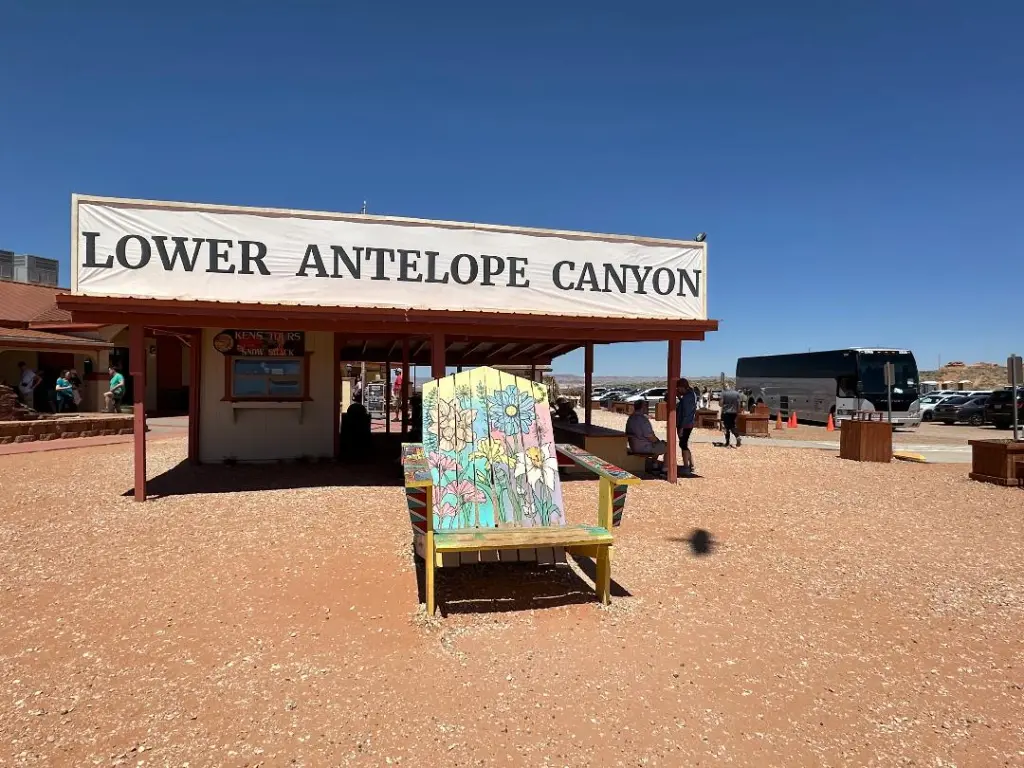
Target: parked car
(999,408)
(945,411)
(972,412)
(613,396)
(716,395)
(928,403)
(653,394)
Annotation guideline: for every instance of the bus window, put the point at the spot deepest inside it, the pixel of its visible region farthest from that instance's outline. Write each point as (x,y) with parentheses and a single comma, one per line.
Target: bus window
(846,387)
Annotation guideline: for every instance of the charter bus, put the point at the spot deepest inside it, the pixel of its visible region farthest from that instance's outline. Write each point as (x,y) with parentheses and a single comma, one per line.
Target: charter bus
(840,382)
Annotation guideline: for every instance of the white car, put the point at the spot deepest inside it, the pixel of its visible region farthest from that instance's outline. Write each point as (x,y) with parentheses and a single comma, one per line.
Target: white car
(653,394)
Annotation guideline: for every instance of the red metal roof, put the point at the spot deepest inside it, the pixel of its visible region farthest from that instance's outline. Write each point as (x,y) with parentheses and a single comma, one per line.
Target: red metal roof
(24,337)
(22,304)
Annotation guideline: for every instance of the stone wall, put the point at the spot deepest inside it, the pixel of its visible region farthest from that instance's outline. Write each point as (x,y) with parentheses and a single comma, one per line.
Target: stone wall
(12,409)
(64,427)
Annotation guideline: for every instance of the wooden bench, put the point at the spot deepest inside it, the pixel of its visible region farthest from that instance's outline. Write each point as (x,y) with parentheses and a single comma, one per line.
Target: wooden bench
(485,480)
(609,444)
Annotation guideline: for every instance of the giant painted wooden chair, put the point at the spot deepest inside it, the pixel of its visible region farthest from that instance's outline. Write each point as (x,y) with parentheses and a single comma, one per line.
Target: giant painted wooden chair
(484,484)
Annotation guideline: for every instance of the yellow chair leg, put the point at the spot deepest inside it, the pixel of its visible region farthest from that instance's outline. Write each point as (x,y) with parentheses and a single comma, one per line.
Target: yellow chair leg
(603,582)
(430,558)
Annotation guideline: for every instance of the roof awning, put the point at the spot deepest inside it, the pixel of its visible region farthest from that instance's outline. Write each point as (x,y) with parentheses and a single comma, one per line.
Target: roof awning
(24,338)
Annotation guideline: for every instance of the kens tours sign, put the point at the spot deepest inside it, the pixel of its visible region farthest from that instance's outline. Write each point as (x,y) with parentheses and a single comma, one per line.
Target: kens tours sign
(219,253)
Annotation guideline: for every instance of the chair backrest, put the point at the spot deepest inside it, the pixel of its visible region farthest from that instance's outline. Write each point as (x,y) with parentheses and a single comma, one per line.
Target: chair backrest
(488,439)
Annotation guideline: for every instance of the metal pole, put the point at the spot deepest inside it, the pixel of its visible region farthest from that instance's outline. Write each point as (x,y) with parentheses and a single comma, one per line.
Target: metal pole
(890,403)
(1013,396)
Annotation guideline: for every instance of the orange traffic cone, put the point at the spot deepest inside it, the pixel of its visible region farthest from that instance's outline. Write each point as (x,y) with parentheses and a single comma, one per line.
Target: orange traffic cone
(831,424)
(778,420)
(792,420)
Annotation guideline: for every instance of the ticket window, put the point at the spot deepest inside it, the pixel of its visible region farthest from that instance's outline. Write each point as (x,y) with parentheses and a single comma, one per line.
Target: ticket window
(268,379)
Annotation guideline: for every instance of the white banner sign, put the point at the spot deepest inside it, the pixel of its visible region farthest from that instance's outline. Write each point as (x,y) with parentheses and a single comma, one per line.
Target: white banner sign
(168,251)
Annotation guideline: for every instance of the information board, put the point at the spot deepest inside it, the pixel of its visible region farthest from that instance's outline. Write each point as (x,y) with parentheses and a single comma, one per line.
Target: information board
(374,398)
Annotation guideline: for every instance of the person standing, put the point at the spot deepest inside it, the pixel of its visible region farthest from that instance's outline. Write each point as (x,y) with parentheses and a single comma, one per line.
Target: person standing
(115,394)
(27,382)
(65,393)
(731,400)
(686,420)
(76,388)
(396,394)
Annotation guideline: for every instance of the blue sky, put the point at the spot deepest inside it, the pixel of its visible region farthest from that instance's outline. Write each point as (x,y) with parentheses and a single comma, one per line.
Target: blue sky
(857,166)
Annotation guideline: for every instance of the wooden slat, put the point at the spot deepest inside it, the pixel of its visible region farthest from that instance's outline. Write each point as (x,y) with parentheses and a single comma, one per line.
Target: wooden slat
(597,465)
(521,538)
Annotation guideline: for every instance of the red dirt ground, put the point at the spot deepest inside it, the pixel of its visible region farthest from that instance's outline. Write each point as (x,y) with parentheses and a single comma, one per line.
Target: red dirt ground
(850,614)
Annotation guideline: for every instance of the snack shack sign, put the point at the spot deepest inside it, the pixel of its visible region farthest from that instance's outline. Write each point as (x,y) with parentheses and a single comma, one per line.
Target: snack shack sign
(217,253)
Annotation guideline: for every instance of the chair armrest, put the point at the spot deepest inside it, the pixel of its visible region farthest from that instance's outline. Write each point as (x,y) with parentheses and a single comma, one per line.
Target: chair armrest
(597,465)
(415,466)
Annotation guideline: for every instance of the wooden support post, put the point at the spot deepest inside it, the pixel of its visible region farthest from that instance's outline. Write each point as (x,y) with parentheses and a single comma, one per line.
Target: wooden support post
(671,437)
(605,491)
(195,385)
(429,556)
(429,565)
(437,364)
(336,397)
(137,357)
(588,381)
(405,386)
(387,396)
(603,575)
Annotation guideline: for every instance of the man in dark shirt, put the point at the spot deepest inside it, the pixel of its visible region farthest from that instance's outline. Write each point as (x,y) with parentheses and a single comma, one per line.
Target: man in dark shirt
(686,420)
(731,400)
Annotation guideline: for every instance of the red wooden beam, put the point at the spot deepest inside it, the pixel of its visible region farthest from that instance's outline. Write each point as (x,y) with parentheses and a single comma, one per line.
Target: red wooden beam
(387,396)
(588,382)
(674,367)
(437,357)
(137,366)
(405,386)
(336,345)
(408,317)
(195,394)
(476,332)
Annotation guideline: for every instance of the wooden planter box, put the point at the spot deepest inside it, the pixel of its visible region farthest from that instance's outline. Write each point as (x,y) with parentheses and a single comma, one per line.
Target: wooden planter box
(752,424)
(708,419)
(661,411)
(866,441)
(997,461)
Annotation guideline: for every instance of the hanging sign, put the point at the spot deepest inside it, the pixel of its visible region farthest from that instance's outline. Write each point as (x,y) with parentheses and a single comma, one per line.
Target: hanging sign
(261,343)
(186,252)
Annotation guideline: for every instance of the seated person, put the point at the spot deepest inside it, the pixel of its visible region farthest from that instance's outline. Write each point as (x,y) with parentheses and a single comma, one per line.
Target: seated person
(640,434)
(564,412)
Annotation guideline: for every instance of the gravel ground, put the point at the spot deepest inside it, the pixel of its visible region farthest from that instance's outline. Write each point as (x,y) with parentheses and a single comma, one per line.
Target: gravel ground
(848,614)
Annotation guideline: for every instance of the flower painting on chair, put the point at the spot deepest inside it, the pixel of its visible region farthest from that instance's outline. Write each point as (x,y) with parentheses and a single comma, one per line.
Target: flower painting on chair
(490,446)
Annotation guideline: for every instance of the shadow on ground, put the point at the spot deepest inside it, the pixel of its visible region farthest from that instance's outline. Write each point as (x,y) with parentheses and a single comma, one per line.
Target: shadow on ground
(508,587)
(186,479)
